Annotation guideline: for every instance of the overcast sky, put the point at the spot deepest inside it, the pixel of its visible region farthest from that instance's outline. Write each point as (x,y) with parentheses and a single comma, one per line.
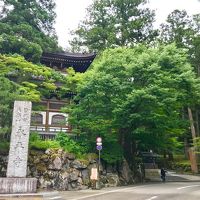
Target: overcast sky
(71,12)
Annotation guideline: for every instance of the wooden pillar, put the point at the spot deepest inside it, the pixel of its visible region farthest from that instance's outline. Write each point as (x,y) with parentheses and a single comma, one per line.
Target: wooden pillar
(192,154)
(193,160)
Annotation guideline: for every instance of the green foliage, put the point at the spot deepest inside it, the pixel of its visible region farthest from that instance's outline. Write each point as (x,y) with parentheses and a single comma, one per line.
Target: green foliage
(23,80)
(184,30)
(113,23)
(36,143)
(112,152)
(39,14)
(34,136)
(196,144)
(11,44)
(44,145)
(69,145)
(26,74)
(178,28)
(26,28)
(7,95)
(183,166)
(134,96)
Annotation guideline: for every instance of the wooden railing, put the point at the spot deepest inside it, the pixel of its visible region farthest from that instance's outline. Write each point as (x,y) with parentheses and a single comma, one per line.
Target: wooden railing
(50,131)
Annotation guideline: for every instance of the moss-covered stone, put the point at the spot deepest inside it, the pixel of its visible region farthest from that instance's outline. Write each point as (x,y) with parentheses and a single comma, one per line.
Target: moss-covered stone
(41,167)
(84,162)
(36,160)
(44,158)
(35,153)
(91,156)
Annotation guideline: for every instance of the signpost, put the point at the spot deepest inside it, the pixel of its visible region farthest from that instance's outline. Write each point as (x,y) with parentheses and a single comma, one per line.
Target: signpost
(99,148)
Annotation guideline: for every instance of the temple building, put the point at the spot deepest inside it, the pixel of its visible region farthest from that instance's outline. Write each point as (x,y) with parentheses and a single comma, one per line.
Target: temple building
(51,120)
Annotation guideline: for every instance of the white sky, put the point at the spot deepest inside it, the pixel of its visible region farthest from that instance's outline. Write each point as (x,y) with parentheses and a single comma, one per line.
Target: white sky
(71,12)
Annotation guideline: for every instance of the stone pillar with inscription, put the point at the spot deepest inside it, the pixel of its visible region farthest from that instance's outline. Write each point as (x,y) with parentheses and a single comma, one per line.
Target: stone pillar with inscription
(16,181)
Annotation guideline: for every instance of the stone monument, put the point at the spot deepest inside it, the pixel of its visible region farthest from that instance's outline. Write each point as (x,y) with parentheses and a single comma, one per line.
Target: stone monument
(16,181)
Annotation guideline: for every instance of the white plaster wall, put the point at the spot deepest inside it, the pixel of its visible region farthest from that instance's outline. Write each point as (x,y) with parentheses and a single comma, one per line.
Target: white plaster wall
(43,117)
(51,114)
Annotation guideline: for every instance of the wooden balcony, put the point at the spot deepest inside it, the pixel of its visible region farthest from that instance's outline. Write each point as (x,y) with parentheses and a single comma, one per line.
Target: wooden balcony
(50,131)
(50,120)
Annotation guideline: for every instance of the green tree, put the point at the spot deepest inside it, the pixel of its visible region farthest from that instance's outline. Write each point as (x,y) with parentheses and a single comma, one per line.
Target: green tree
(112,23)
(7,96)
(40,15)
(26,28)
(184,30)
(178,28)
(133,97)
(32,81)
(22,80)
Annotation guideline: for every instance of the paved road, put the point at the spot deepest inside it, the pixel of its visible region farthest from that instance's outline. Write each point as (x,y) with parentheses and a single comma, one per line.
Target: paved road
(177,187)
(156,191)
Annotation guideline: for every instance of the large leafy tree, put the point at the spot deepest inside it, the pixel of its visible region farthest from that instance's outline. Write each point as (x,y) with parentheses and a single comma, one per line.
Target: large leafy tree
(178,28)
(184,30)
(7,96)
(26,28)
(22,80)
(39,14)
(112,23)
(133,97)
(33,81)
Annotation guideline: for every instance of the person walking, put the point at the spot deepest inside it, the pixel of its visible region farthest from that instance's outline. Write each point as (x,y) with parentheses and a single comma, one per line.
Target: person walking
(163,174)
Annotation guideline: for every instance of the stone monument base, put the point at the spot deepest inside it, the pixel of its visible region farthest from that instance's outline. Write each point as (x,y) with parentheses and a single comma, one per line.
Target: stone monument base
(18,185)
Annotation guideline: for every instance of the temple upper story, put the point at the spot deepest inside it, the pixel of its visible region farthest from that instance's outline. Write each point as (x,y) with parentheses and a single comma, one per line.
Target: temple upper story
(50,120)
(61,61)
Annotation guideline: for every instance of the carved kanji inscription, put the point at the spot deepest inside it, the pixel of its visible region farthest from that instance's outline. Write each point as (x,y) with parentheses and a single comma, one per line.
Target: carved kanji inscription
(18,154)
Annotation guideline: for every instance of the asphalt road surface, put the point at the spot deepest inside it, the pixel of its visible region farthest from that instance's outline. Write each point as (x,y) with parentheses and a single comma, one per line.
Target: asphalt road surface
(155,191)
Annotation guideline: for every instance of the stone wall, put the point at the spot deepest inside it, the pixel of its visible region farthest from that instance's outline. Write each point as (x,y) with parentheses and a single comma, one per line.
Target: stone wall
(58,170)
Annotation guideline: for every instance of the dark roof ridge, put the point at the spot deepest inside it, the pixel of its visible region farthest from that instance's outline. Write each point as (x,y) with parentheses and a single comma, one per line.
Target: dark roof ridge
(68,54)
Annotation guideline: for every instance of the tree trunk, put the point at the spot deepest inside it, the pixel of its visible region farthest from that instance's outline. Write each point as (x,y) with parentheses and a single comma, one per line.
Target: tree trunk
(186,145)
(197,121)
(191,123)
(186,148)
(127,144)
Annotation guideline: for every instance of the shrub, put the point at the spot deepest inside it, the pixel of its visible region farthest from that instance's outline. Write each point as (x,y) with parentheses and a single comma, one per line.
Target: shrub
(112,152)
(35,142)
(69,145)
(34,136)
